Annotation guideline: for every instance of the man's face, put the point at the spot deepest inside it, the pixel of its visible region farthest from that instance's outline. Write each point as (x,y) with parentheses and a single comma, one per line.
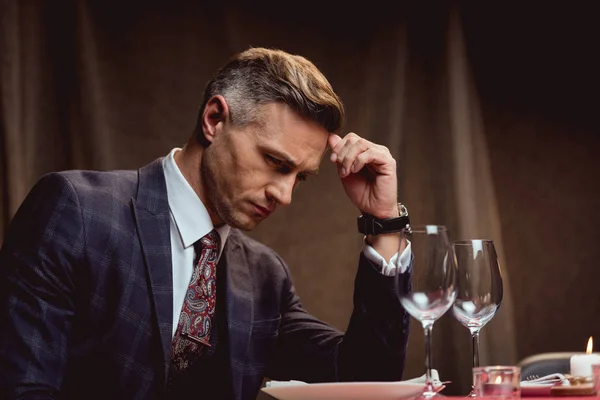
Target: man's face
(248,171)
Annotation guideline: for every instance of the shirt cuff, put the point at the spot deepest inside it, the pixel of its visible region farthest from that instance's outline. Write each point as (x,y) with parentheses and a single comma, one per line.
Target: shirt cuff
(399,262)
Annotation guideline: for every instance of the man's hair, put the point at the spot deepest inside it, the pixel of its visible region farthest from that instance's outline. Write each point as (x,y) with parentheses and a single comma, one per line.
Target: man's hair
(260,76)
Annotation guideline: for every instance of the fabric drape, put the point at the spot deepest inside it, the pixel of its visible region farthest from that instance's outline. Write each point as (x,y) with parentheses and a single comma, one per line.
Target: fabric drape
(114,85)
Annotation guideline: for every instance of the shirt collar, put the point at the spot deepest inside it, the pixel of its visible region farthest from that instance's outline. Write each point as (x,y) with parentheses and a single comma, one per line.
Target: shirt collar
(188,211)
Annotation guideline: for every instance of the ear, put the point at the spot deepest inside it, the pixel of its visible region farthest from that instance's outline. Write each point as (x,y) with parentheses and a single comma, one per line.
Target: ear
(215,115)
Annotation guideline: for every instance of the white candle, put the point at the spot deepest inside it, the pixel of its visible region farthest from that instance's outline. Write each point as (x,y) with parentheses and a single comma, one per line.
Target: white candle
(581,364)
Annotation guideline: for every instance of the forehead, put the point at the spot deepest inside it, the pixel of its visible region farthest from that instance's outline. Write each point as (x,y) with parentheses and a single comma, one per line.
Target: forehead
(282,129)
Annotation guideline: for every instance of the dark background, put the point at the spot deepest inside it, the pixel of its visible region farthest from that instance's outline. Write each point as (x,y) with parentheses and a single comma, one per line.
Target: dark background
(115,84)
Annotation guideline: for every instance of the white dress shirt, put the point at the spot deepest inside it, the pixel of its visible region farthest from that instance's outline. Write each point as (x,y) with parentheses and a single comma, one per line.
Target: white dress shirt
(190,222)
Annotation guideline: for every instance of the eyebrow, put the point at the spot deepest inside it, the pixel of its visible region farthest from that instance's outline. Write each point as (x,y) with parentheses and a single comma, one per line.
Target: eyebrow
(291,163)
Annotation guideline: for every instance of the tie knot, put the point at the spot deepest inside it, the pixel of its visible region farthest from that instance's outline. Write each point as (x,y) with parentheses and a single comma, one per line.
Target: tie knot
(212,240)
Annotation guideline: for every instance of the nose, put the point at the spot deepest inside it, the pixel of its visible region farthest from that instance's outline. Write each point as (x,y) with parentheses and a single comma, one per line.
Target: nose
(281,190)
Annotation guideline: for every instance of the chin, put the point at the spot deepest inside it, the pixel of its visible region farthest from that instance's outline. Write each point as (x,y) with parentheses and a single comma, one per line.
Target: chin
(242,222)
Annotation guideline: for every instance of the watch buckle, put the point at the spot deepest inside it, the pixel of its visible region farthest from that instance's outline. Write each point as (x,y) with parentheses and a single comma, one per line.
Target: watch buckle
(368,224)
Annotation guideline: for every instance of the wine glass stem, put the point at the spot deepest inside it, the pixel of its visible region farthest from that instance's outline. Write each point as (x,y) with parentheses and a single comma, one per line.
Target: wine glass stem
(475,336)
(427,328)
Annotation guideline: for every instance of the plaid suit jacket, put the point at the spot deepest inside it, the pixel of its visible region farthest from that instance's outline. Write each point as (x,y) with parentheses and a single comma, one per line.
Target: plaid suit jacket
(86,300)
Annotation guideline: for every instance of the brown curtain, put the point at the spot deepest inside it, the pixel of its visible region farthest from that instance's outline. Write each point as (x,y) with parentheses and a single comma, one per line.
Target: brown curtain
(490,122)
(432,123)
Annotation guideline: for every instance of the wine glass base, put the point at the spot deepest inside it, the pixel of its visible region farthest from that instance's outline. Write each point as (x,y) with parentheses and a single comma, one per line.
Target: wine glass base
(428,395)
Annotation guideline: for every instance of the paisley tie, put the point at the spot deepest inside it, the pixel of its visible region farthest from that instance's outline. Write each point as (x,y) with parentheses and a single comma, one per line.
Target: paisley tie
(193,330)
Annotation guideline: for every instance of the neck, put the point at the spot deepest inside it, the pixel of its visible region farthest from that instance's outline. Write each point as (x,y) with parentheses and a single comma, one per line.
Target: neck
(189,161)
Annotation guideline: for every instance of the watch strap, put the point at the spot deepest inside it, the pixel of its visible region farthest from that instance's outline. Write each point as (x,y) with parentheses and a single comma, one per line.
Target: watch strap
(371,225)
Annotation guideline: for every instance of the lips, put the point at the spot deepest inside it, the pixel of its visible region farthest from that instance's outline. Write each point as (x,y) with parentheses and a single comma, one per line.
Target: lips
(263,211)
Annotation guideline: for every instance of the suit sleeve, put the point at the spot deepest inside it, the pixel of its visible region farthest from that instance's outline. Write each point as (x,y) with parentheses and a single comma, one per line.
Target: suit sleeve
(373,348)
(43,243)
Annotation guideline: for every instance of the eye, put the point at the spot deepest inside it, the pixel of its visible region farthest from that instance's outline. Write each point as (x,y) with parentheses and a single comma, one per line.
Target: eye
(282,167)
(278,164)
(275,161)
(301,177)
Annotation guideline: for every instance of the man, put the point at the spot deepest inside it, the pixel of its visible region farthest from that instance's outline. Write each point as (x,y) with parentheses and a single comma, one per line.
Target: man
(109,281)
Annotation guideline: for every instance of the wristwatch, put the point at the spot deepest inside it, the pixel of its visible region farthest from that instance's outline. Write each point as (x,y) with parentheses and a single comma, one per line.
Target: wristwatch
(371,225)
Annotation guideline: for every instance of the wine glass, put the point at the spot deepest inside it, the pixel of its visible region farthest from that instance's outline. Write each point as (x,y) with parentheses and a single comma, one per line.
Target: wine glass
(479,287)
(431,289)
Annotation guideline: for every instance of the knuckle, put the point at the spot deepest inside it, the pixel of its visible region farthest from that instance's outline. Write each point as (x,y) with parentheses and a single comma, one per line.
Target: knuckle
(384,149)
(352,137)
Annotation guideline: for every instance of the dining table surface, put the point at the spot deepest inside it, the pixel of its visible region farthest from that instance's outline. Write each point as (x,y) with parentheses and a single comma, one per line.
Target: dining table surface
(527,397)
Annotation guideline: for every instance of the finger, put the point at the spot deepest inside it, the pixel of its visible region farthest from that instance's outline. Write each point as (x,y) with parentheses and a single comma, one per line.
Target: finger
(340,170)
(341,144)
(364,158)
(377,158)
(347,150)
(333,142)
(353,149)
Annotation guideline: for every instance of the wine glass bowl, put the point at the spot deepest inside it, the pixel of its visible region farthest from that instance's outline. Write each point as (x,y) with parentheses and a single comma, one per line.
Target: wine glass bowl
(432,289)
(427,307)
(479,284)
(473,315)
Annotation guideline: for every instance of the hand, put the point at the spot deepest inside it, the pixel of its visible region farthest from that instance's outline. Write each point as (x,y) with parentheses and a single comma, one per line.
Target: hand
(368,174)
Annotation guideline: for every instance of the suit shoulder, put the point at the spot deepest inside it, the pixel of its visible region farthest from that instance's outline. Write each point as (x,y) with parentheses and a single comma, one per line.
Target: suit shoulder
(82,179)
(88,184)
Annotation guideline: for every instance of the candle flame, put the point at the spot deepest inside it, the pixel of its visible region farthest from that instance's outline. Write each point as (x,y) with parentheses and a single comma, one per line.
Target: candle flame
(498,379)
(590,346)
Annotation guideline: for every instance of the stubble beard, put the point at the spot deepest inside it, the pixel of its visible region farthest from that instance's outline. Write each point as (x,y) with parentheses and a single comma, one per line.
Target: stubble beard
(217,204)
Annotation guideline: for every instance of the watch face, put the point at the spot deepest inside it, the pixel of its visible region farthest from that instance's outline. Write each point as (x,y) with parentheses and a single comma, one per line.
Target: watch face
(402,209)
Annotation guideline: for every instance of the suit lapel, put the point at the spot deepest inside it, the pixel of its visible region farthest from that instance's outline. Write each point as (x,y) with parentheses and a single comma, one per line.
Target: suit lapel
(151,212)
(240,309)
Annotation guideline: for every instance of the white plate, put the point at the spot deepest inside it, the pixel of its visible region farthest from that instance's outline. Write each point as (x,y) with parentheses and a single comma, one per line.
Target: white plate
(346,391)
